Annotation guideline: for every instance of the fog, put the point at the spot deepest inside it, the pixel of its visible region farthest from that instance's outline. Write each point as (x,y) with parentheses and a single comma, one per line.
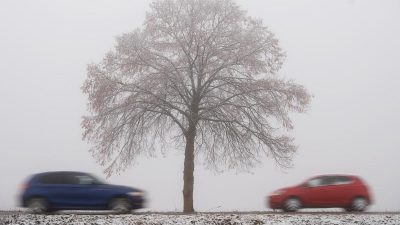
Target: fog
(345,52)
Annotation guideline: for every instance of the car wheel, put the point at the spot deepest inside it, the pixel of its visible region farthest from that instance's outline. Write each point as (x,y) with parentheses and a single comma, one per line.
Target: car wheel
(38,205)
(359,204)
(120,205)
(292,205)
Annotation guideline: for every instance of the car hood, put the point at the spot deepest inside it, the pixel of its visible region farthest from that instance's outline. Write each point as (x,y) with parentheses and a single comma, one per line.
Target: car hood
(283,191)
(289,188)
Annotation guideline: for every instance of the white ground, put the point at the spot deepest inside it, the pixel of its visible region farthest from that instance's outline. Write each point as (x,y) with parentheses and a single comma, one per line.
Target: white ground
(202,219)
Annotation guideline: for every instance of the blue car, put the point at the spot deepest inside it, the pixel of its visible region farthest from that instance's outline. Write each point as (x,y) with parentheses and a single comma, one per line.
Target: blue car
(52,191)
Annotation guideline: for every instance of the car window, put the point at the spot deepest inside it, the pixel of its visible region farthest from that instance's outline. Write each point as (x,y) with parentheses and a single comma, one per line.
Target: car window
(49,179)
(71,178)
(342,180)
(315,182)
(85,179)
(57,178)
(328,181)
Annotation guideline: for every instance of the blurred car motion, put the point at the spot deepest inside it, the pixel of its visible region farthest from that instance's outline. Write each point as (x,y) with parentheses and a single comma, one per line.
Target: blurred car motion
(52,191)
(326,191)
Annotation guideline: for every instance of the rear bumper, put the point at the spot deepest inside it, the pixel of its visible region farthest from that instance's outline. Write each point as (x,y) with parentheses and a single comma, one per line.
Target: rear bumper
(22,201)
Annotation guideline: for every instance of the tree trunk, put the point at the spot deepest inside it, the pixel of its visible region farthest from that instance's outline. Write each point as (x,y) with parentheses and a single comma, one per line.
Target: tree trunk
(188,178)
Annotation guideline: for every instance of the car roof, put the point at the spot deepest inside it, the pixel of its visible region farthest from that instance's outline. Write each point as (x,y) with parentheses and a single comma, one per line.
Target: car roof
(335,175)
(60,172)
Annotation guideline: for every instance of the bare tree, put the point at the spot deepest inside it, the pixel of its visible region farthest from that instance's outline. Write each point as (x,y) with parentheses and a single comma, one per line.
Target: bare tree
(201,72)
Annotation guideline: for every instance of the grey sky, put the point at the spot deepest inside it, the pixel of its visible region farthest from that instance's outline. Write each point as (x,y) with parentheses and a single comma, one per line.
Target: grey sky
(345,52)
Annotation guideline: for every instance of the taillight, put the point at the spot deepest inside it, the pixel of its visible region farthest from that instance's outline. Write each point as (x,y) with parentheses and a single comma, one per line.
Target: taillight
(24,186)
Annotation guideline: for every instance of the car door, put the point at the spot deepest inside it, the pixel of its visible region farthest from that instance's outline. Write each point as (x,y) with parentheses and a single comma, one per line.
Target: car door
(66,191)
(85,193)
(53,189)
(92,193)
(330,192)
(57,186)
(314,193)
(319,192)
(342,191)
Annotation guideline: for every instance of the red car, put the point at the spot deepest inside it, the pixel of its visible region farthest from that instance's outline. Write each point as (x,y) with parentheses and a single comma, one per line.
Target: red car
(327,191)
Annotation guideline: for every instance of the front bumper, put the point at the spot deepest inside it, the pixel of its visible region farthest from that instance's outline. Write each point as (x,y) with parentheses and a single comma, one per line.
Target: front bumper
(137,202)
(275,201)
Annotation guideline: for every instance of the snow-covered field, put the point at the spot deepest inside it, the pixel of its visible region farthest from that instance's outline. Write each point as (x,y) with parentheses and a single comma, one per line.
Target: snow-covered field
(202,218)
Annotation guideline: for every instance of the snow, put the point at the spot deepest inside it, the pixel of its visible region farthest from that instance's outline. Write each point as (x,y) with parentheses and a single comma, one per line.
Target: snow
(202,219)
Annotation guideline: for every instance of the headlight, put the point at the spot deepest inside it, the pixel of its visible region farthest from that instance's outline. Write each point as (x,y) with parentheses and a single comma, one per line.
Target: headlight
(136,193)
(278,192)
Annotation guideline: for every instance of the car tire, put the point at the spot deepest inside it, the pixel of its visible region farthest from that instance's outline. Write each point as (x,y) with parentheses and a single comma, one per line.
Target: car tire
(38,205)
(120,205)
(359,204)
(292,205)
